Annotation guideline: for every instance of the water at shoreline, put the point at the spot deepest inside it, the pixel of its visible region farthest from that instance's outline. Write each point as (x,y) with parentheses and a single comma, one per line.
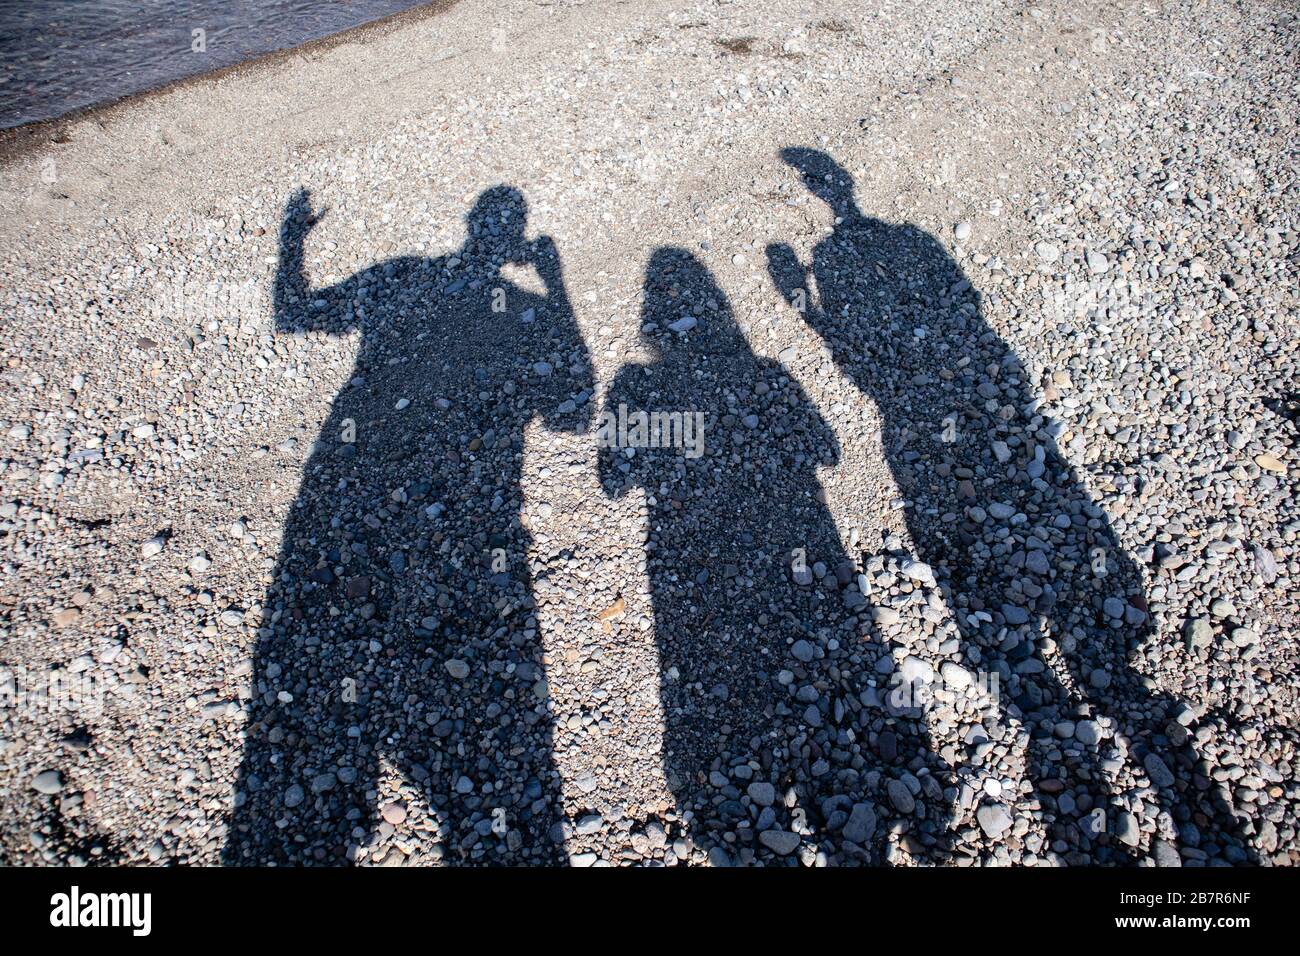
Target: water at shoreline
(58,57)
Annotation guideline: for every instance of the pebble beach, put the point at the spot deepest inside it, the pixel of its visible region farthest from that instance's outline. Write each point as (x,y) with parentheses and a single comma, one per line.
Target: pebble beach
(328,535)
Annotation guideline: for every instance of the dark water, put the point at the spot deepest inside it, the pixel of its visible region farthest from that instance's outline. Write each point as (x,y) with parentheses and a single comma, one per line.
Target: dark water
(58,55)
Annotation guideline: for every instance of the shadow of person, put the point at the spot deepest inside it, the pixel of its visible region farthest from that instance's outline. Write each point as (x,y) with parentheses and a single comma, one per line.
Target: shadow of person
(772,745)
(401,626)
(1042,591)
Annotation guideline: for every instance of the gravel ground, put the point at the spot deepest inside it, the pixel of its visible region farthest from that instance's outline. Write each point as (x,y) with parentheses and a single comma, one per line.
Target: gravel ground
(331,534)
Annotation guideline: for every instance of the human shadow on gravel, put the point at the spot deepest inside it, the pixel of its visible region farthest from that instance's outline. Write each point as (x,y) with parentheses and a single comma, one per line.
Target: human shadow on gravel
(773,745)
(401,623)
(1043,594)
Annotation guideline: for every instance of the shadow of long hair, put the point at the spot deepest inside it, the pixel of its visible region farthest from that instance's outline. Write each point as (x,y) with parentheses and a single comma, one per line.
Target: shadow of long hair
(776,743)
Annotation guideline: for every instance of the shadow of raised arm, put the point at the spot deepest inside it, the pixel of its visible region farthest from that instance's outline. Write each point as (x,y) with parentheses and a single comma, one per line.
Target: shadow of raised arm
(558,411)
(794,281)
(298,307)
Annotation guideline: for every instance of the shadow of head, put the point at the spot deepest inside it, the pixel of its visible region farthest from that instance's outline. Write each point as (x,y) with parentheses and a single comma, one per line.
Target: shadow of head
(497,221)
(683,306)
(825,178)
